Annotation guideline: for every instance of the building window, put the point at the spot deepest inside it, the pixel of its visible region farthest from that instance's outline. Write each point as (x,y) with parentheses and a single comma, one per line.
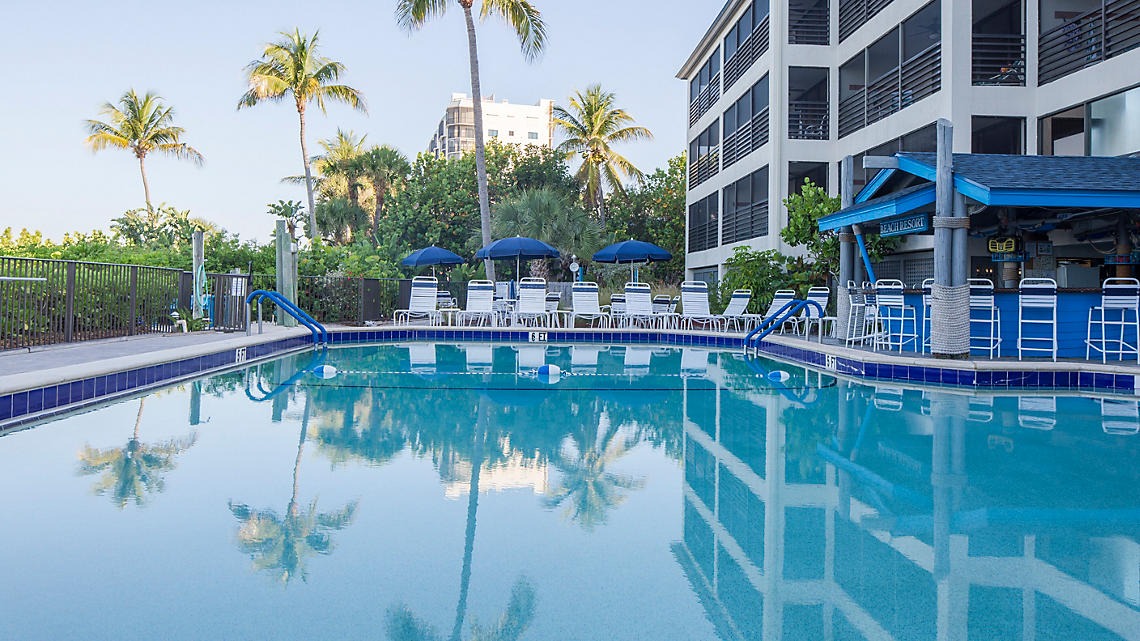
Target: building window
(532,135)
(999,43)
(807,103)
(924,139)
(746,208)
(703,228)
(510,134)
(1103,127)
(896,71)
(746,41)
(704,88)
(1079,34)
(493,133)
(707,275)
(855,13)
(746,123)
(997,135)
(704,155)
(809,22)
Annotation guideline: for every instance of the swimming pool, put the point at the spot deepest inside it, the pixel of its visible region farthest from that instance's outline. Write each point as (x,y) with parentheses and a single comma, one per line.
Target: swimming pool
(448,491)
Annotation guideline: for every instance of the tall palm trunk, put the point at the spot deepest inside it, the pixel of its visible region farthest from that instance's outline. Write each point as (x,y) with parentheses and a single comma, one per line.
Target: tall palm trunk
(480,157)
(469,533)
(376,187)
(602,206)
(308,174)
(146,186)
(297,462)
(138,419)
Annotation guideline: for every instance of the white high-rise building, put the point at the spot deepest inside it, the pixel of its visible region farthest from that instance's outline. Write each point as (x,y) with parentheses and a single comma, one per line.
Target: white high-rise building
(782,90)
(502,121)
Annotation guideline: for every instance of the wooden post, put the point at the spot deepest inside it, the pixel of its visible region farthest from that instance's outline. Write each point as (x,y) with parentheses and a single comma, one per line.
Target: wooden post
(198,249)
(950,301)
(286,272)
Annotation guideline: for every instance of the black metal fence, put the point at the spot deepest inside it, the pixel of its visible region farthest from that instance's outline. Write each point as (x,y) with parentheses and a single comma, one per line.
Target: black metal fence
(45,301)
(999,59)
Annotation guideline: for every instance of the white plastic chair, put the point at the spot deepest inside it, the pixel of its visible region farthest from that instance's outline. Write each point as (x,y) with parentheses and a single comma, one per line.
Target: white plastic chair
(856,310)
(584,305)
(736,312)
(639,306)
(531,305)
(553,300)
(779,299)
(1119,309)
(893,314)
(422,303)
(1037,306)
(820,296)
(927,305)
(985,317)
(695,306)
(480,304)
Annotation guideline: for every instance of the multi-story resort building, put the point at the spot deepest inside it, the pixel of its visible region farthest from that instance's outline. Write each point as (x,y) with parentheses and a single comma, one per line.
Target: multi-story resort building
(503,121)
(783,90)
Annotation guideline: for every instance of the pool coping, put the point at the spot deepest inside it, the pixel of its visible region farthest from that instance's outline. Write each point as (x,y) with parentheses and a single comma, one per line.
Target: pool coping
(31,396)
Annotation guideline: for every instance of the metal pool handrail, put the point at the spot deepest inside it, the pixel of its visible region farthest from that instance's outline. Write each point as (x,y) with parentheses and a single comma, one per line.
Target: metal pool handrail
(320,334)
(782,315)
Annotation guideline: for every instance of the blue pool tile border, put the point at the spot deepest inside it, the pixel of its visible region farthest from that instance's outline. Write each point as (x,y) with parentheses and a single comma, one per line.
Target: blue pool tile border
(71,394)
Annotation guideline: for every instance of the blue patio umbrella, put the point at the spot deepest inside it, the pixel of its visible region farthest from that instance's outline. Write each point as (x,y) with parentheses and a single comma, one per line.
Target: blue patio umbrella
(433,256)
(519,248)
(632,251)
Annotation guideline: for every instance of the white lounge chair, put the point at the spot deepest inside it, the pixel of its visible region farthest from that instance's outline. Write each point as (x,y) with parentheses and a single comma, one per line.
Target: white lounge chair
(422,358)
(811,316)
(736,312)
(531,357)
(637,360)
(584,359)
(479,357)
(530,309)
(639,306)
(480,304)
(422,304)
(584,303)
(779,299)
(694,362)
(553,300)
(695,306)
(615,309)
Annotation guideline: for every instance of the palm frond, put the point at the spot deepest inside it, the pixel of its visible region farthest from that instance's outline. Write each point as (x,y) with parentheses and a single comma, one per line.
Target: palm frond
(524,18)
(411,15)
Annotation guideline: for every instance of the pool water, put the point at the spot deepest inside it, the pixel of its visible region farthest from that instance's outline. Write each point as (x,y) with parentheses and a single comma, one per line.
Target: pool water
(443,491)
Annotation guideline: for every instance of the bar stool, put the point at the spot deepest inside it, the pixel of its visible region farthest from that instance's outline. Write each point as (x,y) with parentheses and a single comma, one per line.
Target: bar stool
(1037,306)
(1119,308)
(984,316)
(927,301)
(854,314)
(892,312)
(870,315)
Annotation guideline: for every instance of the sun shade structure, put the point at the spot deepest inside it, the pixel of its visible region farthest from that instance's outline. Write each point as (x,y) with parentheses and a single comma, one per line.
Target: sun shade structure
(632,251)
(432,256)
(519,248)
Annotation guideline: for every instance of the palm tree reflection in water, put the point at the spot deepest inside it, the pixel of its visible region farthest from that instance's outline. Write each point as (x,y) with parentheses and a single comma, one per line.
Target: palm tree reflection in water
(587,486)
(280,544)
(132,472)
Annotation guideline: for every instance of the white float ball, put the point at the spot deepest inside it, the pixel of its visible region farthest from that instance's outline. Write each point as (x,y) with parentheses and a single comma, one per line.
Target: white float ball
(324,371)
(549,373)
(779,376)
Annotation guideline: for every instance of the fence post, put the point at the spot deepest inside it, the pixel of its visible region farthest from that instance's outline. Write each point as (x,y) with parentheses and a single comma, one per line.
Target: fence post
(134,287)
(69,304)
(360,300)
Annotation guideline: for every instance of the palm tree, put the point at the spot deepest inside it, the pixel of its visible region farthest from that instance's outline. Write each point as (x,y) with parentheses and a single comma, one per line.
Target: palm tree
(340,217)
(132,472)
(549,216)
(527,23)
(141,125)
(591,489)
(291,67)
(386,169)
(592,125)
(279,544)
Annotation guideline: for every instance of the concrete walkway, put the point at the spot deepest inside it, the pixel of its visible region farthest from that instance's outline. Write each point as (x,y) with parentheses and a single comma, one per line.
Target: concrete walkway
(38,366)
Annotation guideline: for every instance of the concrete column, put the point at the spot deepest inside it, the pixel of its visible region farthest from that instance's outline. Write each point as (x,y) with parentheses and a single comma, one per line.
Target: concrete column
(846,247)
(286,271)
(198,251)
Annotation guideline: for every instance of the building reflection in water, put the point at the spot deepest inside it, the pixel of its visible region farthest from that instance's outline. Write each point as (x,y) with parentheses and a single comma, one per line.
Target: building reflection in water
(887,513)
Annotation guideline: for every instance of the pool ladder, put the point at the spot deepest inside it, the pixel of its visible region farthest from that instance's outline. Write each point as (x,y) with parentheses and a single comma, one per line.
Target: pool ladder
(775,321)
(320,334)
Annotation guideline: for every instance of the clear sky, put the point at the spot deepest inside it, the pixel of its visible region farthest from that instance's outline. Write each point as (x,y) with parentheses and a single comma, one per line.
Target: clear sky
(66,58)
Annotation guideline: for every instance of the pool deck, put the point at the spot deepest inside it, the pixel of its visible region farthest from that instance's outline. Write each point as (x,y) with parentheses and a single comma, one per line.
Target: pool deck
(44,365)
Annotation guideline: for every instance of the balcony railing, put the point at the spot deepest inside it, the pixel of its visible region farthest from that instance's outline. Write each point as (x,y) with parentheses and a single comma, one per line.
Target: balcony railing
(703,235)
(1088,39)
(999,59)
(853,112)
(744,223)
(705,100)
(748,138)
(808,25)
(921,75)
(807,120)
(749,52)
(883,96)
(704,168)
(853,13)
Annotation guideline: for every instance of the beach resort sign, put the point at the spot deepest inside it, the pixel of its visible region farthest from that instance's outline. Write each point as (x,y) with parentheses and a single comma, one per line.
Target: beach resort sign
(912,224)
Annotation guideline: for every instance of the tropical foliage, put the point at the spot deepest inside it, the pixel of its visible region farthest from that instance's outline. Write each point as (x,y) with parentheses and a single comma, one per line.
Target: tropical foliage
(526,21)
(292,68)
(551,217)
(592,124)
(654,211)
(804,211)
(141,125)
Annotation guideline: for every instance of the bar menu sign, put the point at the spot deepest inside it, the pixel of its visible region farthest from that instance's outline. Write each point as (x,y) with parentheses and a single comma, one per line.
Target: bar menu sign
(912,224)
